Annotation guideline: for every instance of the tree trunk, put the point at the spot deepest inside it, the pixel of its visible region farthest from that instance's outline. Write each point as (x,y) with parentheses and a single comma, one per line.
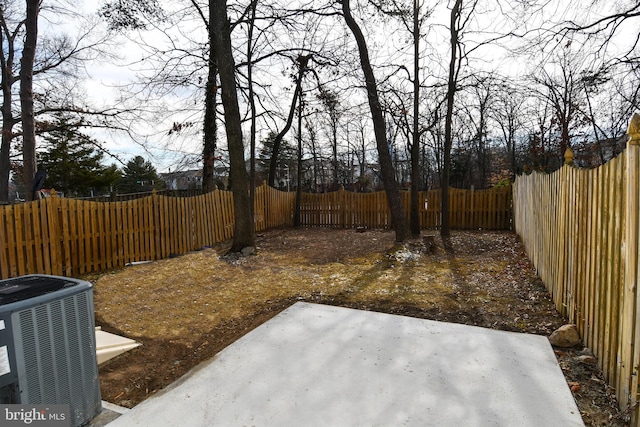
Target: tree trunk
(7,135)
(252,105)
(210,127)
(314,155)
(334,144)
(414,215)
(244,232)
(26,95)
(8,121)
(398,218)
(5,147)
(296,214)
(445,229)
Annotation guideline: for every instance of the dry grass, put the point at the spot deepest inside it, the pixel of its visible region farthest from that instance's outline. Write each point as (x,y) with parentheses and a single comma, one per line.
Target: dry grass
(186,309)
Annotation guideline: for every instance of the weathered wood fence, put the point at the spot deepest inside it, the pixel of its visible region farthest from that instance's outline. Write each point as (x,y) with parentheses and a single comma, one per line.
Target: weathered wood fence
(468,209)
(71,237)
(581,231)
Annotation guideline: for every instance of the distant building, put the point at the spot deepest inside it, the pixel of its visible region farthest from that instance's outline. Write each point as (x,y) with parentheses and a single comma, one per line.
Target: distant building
(192,179)
(183,180)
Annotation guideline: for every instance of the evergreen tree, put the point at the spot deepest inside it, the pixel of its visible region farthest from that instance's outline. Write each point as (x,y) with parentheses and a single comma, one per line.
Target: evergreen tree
(139,175)
(286,158)
(74,163)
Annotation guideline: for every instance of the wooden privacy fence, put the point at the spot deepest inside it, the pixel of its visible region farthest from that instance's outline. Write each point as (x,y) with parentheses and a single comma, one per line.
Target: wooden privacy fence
(70,237)
(468,209)
(581,231)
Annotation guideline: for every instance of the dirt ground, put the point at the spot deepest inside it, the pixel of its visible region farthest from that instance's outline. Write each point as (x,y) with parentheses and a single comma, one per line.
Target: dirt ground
(186,309)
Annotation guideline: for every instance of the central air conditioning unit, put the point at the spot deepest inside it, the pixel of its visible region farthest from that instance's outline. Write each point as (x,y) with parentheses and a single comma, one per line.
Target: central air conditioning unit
(47,344)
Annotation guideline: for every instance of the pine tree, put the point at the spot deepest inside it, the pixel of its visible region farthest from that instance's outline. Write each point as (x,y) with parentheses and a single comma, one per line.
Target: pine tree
(139,175)
(74,163)
(286,157)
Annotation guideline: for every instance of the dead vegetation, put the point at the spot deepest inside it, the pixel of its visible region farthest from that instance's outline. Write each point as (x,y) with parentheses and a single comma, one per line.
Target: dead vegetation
(186,309)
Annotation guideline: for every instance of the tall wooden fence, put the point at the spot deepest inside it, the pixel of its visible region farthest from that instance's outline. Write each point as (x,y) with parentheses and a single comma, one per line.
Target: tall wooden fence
(581,231)
(70,237)
(468,209)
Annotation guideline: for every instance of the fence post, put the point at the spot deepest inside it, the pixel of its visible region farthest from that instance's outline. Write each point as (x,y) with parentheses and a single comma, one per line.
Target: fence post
(568,157)
(630,333)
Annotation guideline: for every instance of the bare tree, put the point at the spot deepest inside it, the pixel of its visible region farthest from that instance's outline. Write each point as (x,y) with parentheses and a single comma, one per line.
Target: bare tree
(610,98)
(507,115)
(361,150)
(455,26)
(331,102)
(297,220)
(26,95)
(244,232)
(53,78)
(8,36)
(302,62)
(398,218)
(463,16)
(479,108)
(316,155)
(607,26)
(560,84)
(210,121)
(414,216)
(412,20)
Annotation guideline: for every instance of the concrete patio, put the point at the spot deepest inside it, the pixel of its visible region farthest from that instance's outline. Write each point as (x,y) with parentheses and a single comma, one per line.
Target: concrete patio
(317,365)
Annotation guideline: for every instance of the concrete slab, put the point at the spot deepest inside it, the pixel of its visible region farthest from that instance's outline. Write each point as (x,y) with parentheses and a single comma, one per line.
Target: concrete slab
(316,365)
(109,413)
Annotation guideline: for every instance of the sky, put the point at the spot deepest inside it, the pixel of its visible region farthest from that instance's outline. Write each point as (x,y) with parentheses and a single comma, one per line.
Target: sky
(167,153)
(105,77)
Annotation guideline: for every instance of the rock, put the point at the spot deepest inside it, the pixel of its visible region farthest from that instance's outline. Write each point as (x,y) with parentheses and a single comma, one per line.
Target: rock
(585,358)
(361,229)
(565,336)
(249,250)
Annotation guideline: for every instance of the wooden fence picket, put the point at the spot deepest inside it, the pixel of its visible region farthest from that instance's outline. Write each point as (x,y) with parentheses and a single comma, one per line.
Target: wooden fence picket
(71,237)
(581,230)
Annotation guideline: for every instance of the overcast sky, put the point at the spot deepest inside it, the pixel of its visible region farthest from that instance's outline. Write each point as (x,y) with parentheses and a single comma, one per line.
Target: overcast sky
(106,76)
